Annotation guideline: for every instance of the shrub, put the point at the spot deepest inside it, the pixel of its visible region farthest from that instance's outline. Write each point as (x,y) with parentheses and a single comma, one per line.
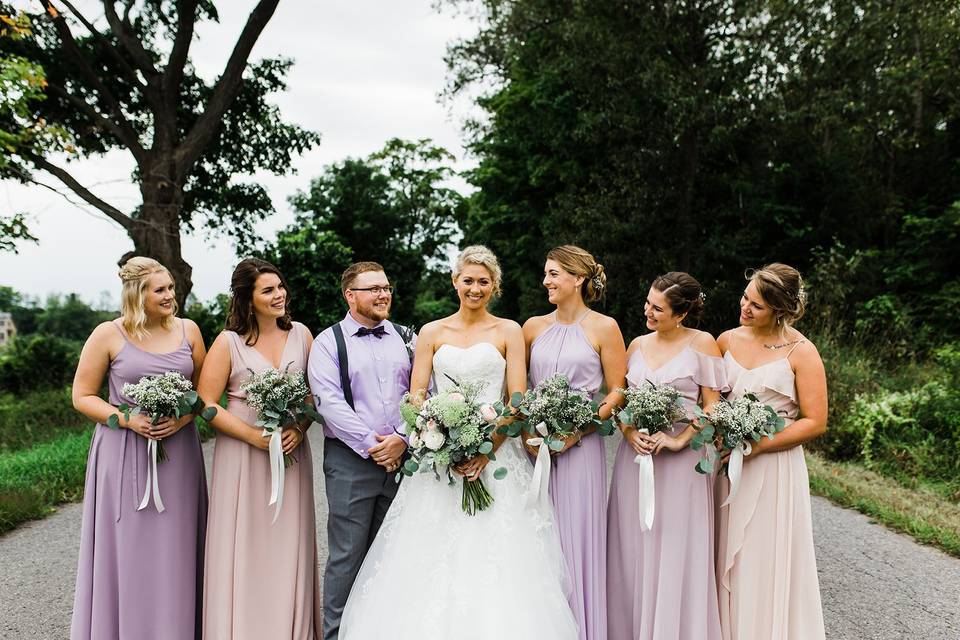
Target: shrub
(38,362)
(36,417)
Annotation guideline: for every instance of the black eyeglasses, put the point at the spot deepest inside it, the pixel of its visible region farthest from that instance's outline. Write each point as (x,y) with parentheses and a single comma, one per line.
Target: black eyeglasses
(376,290)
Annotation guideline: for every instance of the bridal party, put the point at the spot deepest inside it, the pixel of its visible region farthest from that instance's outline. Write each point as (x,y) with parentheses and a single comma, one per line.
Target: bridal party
(464,463)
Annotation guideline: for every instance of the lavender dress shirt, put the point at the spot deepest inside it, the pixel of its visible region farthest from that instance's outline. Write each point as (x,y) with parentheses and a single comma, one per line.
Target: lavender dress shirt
(379,376)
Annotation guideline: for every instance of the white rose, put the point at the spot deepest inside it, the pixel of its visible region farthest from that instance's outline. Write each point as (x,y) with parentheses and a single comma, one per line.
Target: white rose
(456,397)
(431,425)
(415,441)
(434,440)
(488,413)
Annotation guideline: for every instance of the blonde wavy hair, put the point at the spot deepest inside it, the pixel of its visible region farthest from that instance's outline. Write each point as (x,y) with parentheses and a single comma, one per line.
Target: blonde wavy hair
(135,274)
(481,255)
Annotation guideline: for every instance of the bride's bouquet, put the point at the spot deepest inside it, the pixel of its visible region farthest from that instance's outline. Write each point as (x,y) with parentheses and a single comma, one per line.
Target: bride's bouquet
(168,395)
(448,428)
(650,408)
(552,412)
(733,425)
(281,399)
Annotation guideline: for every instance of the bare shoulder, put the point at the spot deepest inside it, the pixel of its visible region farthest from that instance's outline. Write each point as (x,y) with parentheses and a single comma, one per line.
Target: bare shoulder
(634,345)
(537,323)
(307,335)
(510,328)
(192,329)
(723,340)
(704,343)
(601,322)
(805,352)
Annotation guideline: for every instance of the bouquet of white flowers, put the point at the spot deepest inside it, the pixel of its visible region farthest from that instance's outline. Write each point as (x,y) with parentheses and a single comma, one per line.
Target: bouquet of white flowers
(449,428)
(281,400)
(650,408)
(168,395)
(733,425)
(552,412)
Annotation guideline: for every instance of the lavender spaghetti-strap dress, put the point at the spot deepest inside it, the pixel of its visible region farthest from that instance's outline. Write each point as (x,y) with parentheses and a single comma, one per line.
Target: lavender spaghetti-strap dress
(578,479)
(661,583)
(140,572)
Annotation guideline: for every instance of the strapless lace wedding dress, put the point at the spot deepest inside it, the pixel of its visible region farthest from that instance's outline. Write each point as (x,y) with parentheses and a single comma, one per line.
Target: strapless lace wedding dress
(434,572)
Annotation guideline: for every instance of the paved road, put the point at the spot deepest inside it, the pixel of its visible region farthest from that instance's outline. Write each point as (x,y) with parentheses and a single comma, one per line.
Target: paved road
(876,584)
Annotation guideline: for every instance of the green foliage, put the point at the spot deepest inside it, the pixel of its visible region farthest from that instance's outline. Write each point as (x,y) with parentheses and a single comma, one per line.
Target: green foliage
(36,417)
(38,362)
(210,316)
(34,480)
(391,208)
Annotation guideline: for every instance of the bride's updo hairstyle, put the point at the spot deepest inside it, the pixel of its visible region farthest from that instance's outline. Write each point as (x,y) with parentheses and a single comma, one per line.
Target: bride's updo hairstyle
(240,316)
(684,295)
(781,288)
(135,275)
(580,262)
(481,255)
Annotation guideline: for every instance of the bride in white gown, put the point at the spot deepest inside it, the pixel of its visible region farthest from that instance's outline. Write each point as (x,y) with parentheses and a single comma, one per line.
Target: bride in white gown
(433,571)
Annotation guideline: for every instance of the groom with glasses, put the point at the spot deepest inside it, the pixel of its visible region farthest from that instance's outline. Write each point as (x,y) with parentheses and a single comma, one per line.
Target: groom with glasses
(359,369)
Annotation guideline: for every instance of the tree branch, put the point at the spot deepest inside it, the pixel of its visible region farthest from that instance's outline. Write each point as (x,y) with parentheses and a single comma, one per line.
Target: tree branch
(110,211)
(106,123)
(73,50)
(141,57)
(173,74)
(128,71)
(226,89)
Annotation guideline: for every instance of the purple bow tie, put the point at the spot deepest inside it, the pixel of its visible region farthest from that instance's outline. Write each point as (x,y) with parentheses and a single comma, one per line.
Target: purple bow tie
(378,332)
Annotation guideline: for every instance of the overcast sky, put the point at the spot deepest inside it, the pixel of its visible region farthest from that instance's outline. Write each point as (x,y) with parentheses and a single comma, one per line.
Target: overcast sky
(365,71)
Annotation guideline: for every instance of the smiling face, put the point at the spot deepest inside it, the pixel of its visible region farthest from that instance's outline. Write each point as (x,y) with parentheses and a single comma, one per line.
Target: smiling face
(269,296)
(659,313)
(474,286)
(373,305)
(560,283)
(754,311)
(159,299)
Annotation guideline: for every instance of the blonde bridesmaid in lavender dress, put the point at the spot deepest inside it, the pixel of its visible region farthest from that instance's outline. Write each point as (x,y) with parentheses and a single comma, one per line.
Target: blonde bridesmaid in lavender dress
(139,572)
(766,569)
(261,578)
(660,583)
(588,348)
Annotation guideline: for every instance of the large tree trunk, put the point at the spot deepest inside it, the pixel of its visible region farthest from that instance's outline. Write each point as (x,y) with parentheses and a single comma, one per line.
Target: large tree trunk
(156,230)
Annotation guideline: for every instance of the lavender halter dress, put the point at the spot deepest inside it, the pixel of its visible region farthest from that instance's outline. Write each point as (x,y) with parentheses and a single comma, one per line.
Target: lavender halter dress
(140,572)
(578,479)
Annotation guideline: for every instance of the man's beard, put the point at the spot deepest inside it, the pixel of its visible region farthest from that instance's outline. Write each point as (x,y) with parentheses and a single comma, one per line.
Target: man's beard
(372,312)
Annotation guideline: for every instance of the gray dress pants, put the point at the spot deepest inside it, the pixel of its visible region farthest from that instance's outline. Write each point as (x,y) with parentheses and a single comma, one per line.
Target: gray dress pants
(359,492)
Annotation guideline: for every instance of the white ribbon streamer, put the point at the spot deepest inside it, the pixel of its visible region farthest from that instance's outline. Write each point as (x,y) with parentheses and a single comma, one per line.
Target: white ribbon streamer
(153,479)
(735,468)
(645,494)
(276,470)
(539,490)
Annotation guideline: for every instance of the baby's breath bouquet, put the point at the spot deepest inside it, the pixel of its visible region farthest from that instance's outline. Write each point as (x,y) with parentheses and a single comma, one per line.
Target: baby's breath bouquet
(650,408)
(168,395)
(281,399)
(551,412)
(448,428)
(733,425)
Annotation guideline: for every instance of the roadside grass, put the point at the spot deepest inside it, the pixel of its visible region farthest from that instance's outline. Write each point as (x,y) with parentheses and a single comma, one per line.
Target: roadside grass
(920,512)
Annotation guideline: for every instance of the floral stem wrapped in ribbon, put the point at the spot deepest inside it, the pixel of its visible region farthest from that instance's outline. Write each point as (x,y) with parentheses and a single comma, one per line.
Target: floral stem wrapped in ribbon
(168,395)
(733,425)
(449,428)
(551,412)
(281,400)
(650,408)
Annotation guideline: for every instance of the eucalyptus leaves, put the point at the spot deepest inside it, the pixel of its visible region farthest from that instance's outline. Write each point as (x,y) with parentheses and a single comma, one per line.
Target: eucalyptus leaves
(730,425)
(652,407)
(449,428)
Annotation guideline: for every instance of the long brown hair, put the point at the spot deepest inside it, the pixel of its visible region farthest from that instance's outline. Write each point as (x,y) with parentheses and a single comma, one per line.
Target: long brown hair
(240,317)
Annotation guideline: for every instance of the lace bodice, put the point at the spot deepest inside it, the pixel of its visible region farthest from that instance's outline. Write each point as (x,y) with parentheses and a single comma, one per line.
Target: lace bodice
(481,362)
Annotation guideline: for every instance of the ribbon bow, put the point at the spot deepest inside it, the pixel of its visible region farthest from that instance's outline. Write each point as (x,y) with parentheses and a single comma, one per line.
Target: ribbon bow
(377,332)
(153,480)
(540,482)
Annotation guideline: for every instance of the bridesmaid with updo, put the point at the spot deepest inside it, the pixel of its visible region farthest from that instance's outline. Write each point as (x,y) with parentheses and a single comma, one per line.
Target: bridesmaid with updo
(661,581)
(766,569)
(588,348)
(140,568)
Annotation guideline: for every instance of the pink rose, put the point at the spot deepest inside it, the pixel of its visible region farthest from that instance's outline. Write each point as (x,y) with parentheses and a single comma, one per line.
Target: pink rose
(488,413)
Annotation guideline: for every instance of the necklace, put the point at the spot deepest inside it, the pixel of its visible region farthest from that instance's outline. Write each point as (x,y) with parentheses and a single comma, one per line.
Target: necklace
(780,346)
